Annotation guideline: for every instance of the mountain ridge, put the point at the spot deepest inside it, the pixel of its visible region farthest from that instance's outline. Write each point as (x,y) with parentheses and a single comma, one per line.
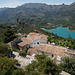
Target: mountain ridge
(53,12)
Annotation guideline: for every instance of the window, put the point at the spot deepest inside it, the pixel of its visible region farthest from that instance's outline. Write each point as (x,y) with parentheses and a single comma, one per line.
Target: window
(37,42)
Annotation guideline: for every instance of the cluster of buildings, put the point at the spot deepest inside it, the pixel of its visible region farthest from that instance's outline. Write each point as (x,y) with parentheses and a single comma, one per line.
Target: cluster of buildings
(37,43)
(32,40)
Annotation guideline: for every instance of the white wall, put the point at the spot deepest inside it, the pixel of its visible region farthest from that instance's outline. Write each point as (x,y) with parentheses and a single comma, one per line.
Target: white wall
(48,54)
(35,42)
(59,58)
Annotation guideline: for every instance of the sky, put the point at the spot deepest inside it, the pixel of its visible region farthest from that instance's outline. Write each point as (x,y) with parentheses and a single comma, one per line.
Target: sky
(15,3)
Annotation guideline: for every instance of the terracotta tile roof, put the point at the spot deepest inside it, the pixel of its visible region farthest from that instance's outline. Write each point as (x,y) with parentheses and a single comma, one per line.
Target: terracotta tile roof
(44,37)
(23,38)
(56,50)
(21,44)
(71,52)
(35,37)
(25,42)
(33,33)
(32,51)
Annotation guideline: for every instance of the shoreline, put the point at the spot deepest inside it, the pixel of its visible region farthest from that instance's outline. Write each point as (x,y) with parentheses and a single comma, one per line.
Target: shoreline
(57,27)
(70,30)
(47,29)
(67,30)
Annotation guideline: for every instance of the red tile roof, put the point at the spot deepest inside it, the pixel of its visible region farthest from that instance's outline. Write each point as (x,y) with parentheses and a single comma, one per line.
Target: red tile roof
(32,33)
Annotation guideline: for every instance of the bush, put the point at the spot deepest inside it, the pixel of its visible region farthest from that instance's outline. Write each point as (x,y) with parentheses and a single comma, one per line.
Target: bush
(4,49)
(43,66)
(8,35)
(7,66)
(16,50)
(68,65)
(23,53)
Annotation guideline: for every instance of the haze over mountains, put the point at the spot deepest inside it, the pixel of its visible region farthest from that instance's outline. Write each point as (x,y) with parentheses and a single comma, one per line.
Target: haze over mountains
(59,13)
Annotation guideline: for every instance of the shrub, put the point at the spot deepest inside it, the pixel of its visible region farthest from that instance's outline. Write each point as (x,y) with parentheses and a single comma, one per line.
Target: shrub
(68,65)
(43,66)
(23,53)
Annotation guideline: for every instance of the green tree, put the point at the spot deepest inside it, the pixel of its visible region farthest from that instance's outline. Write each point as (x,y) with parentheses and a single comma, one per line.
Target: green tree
(8,35)
(43,65)
(23,53)
(18,72)
(68,65)
(4,49)
(8,67)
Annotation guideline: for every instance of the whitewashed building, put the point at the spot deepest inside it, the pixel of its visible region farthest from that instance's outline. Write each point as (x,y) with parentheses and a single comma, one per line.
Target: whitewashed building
(32,41)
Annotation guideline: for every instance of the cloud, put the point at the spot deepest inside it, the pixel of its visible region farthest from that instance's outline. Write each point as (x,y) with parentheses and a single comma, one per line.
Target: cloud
(68,3)
(15,3)
(11,4)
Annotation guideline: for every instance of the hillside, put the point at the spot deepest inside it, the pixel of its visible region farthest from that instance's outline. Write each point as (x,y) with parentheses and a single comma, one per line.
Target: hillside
(1,9)
(41,14)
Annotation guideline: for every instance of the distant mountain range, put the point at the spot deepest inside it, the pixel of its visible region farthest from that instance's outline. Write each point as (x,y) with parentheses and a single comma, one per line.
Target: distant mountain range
(59,13)
(1,9)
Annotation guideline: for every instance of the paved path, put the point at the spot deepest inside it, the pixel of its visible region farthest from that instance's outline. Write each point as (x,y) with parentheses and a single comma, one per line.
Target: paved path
(23,61)
(64,73)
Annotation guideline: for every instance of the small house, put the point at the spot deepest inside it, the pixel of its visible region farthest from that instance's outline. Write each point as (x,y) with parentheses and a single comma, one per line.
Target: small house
(32,41)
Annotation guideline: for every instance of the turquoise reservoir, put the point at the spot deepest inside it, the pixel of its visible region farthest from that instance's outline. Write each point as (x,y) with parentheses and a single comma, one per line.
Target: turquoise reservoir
(63,32)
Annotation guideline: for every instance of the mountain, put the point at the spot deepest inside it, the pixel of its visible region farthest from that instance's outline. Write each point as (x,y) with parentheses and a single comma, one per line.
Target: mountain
(55,14)
(1,9)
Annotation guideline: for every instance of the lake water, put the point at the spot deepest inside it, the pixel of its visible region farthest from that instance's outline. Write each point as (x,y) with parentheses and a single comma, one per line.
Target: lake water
(63,32)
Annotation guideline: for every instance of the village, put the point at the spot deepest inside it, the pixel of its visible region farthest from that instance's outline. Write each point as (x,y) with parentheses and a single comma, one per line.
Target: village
(37,43)
(37,37)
